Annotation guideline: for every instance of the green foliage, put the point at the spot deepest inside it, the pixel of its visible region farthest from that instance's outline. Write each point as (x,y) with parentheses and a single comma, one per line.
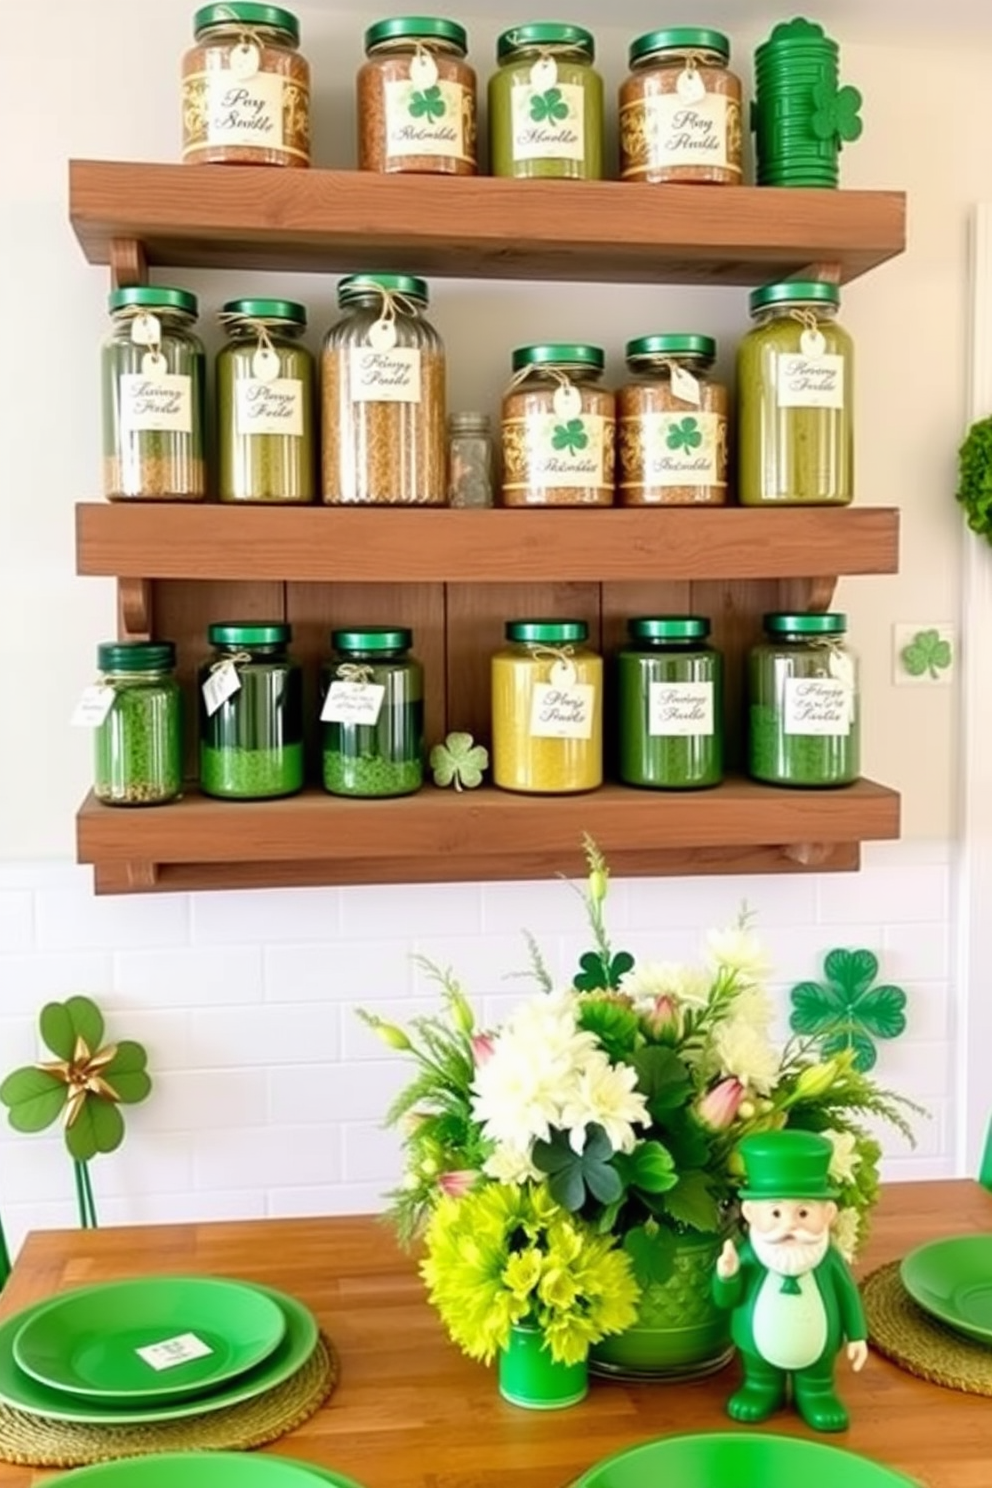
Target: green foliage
(652,1250)
(663,1078)
(601,973)
(459,761)
(62,1023)
(692,1202)
(926,653)
(574,1177)
(845,1011)
(614,1024)
(975,478)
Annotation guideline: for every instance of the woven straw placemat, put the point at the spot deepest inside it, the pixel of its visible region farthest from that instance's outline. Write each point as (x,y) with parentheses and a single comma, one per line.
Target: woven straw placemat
(918,1343)
(39,1441)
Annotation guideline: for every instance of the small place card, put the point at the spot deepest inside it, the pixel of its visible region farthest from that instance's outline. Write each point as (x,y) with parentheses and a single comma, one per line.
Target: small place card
(174,1351)
(219,686)
(93,707)
(353,702)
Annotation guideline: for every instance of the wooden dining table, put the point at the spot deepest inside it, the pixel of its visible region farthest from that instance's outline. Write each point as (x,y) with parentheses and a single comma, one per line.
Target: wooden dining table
(409,1411)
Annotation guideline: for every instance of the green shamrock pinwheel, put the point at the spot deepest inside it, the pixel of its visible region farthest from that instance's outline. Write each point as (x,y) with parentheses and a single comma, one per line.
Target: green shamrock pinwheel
(571,436)
(836,113)
(429,104)
(459,761)
(845,1011)
(926,653)
(685,435)
(549,106)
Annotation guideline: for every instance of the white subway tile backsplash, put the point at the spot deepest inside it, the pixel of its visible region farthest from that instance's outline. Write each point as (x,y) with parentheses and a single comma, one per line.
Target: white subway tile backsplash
(371,1153)
(360,1042)
(250,1037)
(74,920)
(16,921)
(267,1157)
(201,976)
(402,913)
(542,907)
(27,982)
(261,915)
(334,1092)
(898,895)
(916,952)
(205,1100)
(337,971)
(339,1198)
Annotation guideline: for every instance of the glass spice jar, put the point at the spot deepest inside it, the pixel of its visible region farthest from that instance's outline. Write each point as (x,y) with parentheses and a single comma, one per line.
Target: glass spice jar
(372,714)
(558,428)
(153,374)
(547,709)
(672,424)
(137,749)
(251,713)
(804,705)
(680,109)
(416,98)
(795,398)
(470,460)
(246,88)
(265,415)
(383,397)
(546,104)
(670,704)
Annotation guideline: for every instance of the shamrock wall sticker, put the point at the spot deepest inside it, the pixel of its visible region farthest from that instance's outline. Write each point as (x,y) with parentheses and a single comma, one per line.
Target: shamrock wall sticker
(548,107)
(571,436)
(927,654)
(845,1011)
(459,761)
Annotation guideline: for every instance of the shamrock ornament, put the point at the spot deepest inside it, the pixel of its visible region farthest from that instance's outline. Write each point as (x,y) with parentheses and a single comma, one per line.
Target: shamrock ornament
(548,107)
(459,760)
(571,436)
(429,104)
(836,115)
(927,653)
(846,1011)
(685,435)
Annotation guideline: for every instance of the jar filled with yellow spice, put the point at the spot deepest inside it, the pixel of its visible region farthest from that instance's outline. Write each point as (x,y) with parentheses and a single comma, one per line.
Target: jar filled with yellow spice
(673,424)
(558,428)
(547,709)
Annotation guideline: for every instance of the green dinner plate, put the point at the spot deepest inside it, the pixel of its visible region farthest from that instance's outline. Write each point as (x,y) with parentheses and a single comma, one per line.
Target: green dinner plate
(26,1394)
(157,1338)
(952,1280)
(732,1460)
(204,1470)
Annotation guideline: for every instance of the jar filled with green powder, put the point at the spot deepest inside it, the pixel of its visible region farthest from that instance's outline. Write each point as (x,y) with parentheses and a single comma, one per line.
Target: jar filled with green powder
(546,104)
(670,704)
(137,755)
(804,714)
(372,713)
(251,713)
(266,445)
(795,390)
(152,381)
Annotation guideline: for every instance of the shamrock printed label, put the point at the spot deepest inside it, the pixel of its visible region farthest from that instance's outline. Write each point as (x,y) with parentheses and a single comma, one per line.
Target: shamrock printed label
(820,706)
(810,381)
(680,709)
(174,1351)
(156,402)
(675,131)
(384,376)
(548,125)
(426,120)
(274,407)
(562,712)
(353,702)
(555,452)
(682,449)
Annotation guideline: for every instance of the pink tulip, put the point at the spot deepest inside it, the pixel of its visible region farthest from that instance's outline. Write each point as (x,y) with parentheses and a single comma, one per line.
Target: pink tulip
(665,1017)
(457,1184)
(719,1107)
(483,1047)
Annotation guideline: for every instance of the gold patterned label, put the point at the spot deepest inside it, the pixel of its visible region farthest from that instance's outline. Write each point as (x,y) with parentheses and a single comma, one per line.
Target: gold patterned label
(545,452)
(264,112)
(663,131)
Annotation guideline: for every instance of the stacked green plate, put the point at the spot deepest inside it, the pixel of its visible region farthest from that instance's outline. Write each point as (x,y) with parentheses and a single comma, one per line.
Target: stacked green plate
(203,1470)
(952,1280)
(735,1460)
(801,115)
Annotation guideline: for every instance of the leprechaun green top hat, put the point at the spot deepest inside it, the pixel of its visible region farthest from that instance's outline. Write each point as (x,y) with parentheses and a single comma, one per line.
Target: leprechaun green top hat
(786,1165)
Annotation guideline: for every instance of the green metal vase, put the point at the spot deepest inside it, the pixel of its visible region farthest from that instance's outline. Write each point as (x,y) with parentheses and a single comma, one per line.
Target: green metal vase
(530,1377)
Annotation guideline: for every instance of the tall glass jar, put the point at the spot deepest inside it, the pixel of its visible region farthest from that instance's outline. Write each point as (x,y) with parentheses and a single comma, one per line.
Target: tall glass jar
(546,104)
(416,98)
(137,749)
(265,415)
(383,397)
(470,460)
(251,713)
(558,428)
(680,109)
(372,714)
(805,706)
(153,372)
(672,424)
(795,399)
(246,88)
(547,709)
(670,704)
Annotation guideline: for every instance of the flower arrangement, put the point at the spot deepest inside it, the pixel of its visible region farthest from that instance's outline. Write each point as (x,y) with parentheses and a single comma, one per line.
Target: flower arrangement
(553,1162)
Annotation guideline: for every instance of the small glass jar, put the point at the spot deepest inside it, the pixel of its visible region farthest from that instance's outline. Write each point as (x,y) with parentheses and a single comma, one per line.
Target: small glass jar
(246,88)
(383,397)
(470,460)
(153,373)
(372,714)
(265,415)
(680,109)
(251,713)
(558,428)
(416,98)
(547,709)
(804,715)
(546,104)
(138,748)
(795,399)
(670,704)
(672,424)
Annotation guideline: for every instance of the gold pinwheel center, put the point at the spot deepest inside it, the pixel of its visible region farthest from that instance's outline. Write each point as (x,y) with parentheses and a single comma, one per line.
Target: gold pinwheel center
(83,1076)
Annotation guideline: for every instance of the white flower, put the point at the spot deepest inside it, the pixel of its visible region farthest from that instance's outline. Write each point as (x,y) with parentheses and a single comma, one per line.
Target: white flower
(604,1093)
(845,1231)
(509,1164)
(744,1051)
(517,1094)
(653,979)
(845,1155)
(753,1005)
(738,950)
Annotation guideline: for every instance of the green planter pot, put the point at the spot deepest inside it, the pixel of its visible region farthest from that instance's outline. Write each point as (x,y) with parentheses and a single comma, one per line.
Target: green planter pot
(530,1377)
(680,1332)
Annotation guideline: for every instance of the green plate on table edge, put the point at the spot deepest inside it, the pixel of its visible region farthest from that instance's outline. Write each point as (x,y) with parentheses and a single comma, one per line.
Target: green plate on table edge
(223,1470)
(25,1394)
(944,1277)
(705,1459)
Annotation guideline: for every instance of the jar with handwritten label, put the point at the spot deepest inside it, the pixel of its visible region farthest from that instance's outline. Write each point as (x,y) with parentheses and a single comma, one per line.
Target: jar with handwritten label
(138,741)
(795,398)
(680,109)
(251,713)
(558,428)
(670,704)
(672,424)
(547,709)
(416,98)
(372,713)
(246,88)
(265,416)
(384,439)
(546,104)
(804,703)
(153,373)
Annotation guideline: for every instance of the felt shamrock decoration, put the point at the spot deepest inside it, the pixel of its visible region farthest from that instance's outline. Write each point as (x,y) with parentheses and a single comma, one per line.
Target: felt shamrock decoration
(926,653)
(459,760)
(837,113)
(846,1011)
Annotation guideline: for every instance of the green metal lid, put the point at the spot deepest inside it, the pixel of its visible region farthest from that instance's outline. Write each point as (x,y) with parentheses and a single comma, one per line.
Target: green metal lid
(136,656)
(681,39)
(153,297)
(373,638)
(250,633)
(417,28)
(777,624)
(289,310)
(545,33)
(357,286)
(272,17)
(682,344)
(794,292)
(559,353)
(554,632)
(669,628)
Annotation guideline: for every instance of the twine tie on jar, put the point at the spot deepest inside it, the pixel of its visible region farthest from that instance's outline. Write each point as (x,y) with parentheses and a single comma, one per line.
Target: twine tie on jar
(151,335)
(684,385)
(382,332)
(351,672)
(249,46)
(689,85)
(811,341)
(563,671)
(423,68)
(567,398)
(265,362)
(839,663)
(239,658)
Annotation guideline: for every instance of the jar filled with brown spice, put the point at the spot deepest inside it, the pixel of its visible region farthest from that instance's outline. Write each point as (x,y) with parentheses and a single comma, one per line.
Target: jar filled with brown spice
(558,428)
(680,109)
(673,424)
(417,98)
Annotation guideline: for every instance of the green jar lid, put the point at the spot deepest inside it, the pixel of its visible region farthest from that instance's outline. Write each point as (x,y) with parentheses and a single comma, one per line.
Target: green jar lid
(135,656)
(153,297)
(669,628)
(553,632)
(417,28)
(777,624)
(250,633)
(559,353)
(289,310)
(545,33)
(356,286)
(272,17)
(373,638)
(684,344)
(793,292)
(680,39)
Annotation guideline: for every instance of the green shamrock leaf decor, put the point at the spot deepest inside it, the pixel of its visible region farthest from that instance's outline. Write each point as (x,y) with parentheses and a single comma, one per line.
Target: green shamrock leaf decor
(601,973)
(459,761)
(836,115)
(571,436)
(549,106)
(572,1175)
(429,104)
(846,1011)
(926,653)
(685,435)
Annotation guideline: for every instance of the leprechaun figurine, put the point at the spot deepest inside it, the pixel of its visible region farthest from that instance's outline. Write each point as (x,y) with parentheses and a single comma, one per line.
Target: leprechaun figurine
(795,1301)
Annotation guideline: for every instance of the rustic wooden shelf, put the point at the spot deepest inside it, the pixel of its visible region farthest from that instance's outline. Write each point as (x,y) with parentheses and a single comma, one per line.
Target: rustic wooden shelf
(240,217)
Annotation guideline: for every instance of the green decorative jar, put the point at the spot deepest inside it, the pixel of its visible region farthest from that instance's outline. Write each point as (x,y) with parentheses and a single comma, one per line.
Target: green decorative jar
(138,747)
(372,714)
(670,704)
(251,713)
(546,104)
(266,429)
(804,706)
(530,1377)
